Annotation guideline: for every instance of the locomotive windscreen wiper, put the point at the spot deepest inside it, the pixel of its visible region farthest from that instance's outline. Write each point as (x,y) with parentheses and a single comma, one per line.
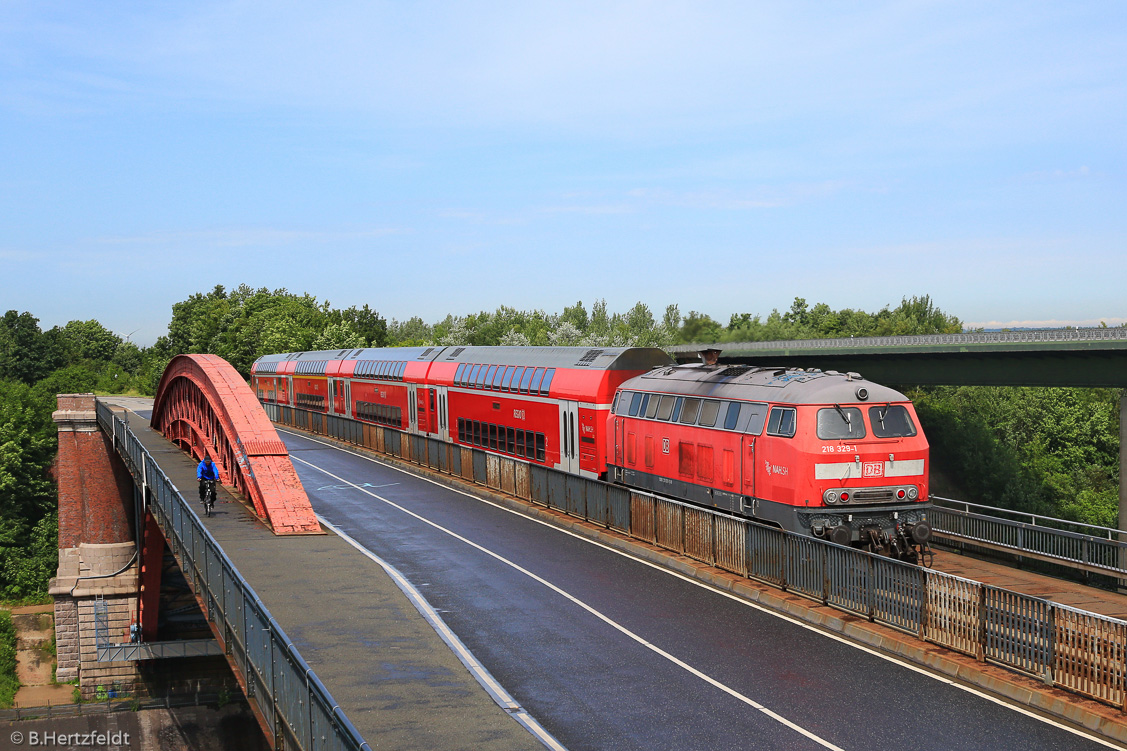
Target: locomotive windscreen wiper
(882,413)
(844,416)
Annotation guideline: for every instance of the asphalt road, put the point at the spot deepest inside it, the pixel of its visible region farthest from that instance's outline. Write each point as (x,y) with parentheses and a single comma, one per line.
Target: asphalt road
(609,652)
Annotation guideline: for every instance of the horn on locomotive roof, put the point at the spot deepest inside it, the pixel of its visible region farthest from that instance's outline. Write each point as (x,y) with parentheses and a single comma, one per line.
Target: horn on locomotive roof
(710,356)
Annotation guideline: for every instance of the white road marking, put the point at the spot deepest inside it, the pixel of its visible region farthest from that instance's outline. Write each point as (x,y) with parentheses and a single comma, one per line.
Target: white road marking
(479,671)
(763,609)
(604,618)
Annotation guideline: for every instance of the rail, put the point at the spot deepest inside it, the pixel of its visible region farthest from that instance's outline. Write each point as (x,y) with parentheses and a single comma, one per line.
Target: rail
(1118,333)
(274,675)
(1040,537)
(1077,651)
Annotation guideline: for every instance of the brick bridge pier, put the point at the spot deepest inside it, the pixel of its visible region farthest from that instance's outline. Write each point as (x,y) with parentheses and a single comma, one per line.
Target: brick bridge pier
(99,566)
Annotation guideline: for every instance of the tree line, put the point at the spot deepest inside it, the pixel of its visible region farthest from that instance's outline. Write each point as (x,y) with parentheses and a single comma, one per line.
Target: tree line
(1049,451)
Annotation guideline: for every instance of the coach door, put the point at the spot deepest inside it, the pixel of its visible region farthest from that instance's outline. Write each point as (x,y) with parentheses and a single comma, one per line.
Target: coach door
(443,415)
(338,390)
(412,408)
(569,440)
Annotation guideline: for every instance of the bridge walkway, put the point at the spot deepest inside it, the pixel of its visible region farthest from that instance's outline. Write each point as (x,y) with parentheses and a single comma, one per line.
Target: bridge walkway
(1007,576)
(390,672)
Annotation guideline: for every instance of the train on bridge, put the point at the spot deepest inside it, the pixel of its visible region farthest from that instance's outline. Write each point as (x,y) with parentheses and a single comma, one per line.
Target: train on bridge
(820,453)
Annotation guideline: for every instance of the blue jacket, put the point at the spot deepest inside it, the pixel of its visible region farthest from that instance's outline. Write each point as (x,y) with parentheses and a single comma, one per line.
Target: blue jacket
(207,471)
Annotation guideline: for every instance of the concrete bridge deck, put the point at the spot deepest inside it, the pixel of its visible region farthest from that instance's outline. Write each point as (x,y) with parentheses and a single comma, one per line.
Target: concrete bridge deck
(390,672)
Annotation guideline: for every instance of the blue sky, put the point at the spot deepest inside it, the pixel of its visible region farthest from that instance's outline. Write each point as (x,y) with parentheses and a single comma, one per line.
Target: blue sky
(431,158)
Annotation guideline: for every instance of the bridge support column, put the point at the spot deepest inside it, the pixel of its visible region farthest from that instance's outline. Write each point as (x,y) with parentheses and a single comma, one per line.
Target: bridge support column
(96,586)
(1123,483)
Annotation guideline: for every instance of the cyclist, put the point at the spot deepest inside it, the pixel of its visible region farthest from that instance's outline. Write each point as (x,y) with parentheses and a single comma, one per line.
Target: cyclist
(206,471)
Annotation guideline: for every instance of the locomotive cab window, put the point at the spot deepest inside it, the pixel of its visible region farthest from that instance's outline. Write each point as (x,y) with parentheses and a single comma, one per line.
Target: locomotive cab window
(837,423)
(623,402)
(635,403)
(781,422)
(891,421)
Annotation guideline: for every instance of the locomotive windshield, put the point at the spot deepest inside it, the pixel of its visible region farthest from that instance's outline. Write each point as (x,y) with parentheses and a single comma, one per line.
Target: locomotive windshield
(840,422)
(891,421)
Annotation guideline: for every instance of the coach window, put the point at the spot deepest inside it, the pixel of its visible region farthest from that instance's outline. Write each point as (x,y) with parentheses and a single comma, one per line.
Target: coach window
(520,442)
(462,429)
(534,387)
(473,375)
(492,436)
(635,403)
(480,382)
(498,377)
(399,371)
(781,422)
(539,447)
(512,384)
(840,423)
(689,411)
(548,375)
(666,407)
(709,408)
(525,380)
(489,374)
(458,374)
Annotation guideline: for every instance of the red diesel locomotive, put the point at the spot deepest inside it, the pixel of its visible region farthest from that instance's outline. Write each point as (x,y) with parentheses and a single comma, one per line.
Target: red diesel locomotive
(820,453)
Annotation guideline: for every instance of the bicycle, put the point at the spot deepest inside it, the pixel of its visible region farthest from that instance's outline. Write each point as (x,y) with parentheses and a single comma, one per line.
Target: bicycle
(208,496)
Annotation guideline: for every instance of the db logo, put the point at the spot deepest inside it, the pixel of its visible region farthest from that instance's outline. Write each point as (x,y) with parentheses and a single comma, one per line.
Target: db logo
(665,445)
(872,469)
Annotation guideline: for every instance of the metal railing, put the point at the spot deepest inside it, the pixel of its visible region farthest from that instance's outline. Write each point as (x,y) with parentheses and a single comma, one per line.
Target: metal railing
(925,340)
(1068,648)
(285,690)
(1040,537)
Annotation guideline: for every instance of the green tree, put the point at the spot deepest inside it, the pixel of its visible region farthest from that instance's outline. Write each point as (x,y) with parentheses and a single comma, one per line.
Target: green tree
(25,353)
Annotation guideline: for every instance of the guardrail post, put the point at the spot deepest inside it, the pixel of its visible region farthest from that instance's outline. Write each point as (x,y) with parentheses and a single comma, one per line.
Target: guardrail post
(980,647)
(925,611)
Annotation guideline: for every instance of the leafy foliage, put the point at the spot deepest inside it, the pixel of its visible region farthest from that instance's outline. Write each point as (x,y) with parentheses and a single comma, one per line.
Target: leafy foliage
(1052,451)
(28,524)
(9,683)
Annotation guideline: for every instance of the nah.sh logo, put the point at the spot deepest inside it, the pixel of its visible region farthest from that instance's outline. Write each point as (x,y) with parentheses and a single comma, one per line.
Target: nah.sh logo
(872,469)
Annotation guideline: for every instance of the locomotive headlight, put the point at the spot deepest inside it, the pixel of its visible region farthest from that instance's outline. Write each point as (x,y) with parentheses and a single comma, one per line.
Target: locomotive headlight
(830,496)
(913,493)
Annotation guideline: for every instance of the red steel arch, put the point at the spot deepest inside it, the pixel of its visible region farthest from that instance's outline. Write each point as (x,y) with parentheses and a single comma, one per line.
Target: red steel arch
(203,404)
